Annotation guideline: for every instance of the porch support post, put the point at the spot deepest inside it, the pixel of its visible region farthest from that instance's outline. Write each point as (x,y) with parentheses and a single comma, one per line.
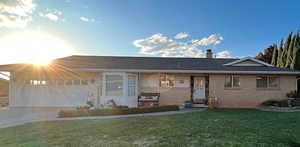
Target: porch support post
(98,97)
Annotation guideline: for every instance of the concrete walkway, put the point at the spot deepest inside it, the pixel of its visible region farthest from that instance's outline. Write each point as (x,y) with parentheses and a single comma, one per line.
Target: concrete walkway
(19,116)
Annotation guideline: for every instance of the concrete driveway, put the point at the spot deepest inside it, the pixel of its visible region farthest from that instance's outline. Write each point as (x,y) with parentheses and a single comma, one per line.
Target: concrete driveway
(18,116)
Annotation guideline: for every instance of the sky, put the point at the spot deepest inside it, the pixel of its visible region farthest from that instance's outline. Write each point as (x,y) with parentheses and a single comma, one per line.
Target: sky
(181,28)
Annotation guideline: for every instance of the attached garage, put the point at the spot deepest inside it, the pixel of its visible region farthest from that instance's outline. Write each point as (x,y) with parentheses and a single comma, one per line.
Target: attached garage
(49,90)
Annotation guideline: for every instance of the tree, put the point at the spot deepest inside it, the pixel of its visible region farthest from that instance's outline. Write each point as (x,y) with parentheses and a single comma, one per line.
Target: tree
(275,55)
(266,56)
(296,53)
(285,50)
(287,54)
(290,49)
(280,62)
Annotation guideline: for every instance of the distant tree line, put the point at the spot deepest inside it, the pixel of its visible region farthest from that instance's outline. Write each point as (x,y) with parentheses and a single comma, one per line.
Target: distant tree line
(285,54)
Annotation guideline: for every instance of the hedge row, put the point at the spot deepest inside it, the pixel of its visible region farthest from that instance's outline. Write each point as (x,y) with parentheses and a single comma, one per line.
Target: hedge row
(115,111)
(281,103)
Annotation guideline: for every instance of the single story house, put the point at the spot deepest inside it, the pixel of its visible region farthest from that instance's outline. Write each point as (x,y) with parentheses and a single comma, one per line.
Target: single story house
(74,80)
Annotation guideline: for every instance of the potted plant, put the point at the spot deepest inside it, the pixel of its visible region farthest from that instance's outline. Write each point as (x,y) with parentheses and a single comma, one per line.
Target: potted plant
(213,102)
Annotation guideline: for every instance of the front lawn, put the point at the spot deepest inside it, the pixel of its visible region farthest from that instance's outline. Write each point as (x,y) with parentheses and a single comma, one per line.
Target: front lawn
(222,127)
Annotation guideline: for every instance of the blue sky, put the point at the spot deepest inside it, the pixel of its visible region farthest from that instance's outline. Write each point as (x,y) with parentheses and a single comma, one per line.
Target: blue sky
(110,27)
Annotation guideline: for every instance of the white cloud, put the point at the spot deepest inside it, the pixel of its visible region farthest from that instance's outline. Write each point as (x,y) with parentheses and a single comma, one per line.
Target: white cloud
(12,21)
(223,54)
(87,19)
(159,44)
(162,45)
(52,15)
(213,39)
(16,13)
(181,35)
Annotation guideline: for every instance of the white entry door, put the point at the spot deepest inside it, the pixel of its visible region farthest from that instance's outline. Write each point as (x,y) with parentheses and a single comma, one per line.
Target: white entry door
(199,88)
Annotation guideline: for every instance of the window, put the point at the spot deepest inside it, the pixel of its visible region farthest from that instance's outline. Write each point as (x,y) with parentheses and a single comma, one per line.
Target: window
(232,81)
(114,85)
(267,82)
(131,85)
(274,82)
(167,80)
(38,82)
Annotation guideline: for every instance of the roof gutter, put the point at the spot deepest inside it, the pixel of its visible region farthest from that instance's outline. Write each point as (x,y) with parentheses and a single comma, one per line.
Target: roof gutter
(189,71)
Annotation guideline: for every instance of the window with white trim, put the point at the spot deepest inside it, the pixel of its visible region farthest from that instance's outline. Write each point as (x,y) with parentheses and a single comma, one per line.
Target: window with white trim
(167,80)
(113,85)
(36,82)
(267,82)
(232,81)
(60,82)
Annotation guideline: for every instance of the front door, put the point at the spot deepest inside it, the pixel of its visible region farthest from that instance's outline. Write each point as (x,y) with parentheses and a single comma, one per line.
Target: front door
(199,88)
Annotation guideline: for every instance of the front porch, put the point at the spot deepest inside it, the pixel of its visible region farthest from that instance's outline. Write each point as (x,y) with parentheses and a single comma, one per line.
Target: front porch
(170,89)
(152,89)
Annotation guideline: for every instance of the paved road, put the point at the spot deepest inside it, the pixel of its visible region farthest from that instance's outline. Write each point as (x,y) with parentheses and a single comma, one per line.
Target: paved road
(19,116)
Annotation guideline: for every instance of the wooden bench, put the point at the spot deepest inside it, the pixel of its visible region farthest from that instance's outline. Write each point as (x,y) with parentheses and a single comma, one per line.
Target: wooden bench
(148,99)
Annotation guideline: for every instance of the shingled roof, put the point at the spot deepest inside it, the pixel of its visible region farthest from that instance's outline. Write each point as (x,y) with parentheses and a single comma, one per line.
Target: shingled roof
(163,64)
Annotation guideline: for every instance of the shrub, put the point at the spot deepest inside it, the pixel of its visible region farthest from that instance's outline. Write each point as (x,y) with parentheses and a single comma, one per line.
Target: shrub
(116,111)
(120,106)
(278,103)
(283,103)
(270,103)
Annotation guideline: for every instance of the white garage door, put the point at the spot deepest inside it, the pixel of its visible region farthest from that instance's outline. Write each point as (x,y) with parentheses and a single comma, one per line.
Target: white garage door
(69,93)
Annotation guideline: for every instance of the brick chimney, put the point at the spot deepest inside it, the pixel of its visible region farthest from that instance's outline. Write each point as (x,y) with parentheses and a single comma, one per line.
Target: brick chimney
(209,53)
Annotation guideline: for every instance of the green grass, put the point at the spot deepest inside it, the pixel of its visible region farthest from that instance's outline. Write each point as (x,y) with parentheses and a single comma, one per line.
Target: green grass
(222,127)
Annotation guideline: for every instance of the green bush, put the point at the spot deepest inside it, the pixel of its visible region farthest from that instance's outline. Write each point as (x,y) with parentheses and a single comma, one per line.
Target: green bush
(270,103)
(278,103)
(116,111)
(283,103)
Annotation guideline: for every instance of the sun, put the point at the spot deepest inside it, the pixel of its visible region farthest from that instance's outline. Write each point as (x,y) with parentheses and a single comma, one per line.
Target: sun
(37,48)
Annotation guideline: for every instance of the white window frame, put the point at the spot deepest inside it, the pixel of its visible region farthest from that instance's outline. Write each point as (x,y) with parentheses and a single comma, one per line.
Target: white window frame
(231,82)
(168,84)
(124,92)
(268,82)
